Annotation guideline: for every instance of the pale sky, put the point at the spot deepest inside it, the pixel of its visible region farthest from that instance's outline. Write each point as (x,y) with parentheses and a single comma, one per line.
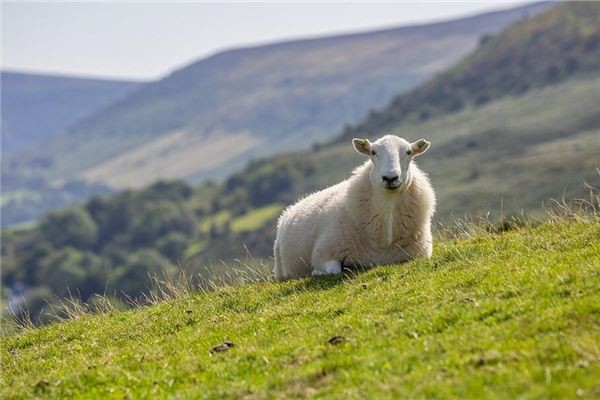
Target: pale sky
(147,40)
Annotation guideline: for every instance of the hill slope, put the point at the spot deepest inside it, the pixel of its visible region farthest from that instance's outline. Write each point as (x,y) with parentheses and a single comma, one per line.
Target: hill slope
(264,99)
(543,50)
(519,151)
(35,107)
(493,316)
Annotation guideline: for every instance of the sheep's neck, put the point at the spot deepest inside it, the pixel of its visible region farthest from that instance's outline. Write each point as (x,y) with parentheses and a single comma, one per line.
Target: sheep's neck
(378,222)
(385,207)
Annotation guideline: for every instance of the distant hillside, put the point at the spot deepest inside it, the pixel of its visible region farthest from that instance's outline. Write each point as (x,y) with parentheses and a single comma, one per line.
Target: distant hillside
(35,107)
(211,117)
(547,49)
(545,139)
(483,151)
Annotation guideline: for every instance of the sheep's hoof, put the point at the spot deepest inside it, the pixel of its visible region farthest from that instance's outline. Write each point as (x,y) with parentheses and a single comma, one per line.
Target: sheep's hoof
(330,267)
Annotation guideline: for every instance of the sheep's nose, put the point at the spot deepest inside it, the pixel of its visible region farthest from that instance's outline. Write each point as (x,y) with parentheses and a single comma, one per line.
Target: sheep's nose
(391,178)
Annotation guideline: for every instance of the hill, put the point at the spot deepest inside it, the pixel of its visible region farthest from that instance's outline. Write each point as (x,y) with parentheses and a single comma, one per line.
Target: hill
(513,153)
(546,49)
(490,316)
(36,107)
(209,118)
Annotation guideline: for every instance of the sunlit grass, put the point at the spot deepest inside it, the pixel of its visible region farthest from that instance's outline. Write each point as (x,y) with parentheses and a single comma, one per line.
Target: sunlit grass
(218,219)
(256,219)
(492,316)
(195,248)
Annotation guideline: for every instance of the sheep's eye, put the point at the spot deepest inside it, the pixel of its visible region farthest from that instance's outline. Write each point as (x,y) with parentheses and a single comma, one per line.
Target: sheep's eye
(373,152)
(409,152)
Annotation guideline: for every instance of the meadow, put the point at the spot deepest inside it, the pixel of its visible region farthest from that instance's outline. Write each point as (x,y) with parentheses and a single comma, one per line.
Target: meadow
(495,313)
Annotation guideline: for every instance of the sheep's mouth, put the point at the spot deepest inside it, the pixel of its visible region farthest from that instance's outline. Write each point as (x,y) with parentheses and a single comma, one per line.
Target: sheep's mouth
(392,188)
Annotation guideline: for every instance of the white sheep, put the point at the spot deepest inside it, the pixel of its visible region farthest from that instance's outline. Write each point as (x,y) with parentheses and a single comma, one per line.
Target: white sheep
(380,215)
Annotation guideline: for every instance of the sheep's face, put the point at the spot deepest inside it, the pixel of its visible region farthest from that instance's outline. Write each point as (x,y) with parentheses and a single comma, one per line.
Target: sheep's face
(391,157)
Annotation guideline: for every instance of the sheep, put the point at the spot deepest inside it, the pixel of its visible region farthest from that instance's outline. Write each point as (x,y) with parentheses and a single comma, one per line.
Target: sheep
(380,215)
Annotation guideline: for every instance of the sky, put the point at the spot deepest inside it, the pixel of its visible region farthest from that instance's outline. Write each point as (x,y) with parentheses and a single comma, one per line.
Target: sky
(147,40)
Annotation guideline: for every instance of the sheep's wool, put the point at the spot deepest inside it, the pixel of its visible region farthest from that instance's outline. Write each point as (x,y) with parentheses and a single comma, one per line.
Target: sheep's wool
(356,223)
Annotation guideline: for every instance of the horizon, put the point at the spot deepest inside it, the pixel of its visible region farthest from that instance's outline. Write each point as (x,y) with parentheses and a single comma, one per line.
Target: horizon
(141,69)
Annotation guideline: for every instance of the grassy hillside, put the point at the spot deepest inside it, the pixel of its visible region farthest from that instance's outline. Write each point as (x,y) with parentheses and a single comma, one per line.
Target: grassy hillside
(264,99)
(546,49)
(489,316)
(36,107)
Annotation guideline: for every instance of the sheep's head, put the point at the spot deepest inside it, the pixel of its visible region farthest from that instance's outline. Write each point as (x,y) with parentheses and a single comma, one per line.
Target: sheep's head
(391,157)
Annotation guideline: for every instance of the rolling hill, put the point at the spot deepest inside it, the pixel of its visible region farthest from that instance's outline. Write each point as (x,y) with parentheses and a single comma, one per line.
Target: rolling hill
(263,99)
(36,107)
(514,315)
(483,142)
(516,152)
(547,49)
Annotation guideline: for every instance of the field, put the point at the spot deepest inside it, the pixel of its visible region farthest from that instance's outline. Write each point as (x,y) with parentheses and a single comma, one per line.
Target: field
(169,157)
(491,315)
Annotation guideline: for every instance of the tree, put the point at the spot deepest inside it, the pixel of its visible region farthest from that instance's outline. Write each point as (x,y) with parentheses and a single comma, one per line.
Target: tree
(158,219)
(172,245)
(135,277)
(71,271)
(71,227)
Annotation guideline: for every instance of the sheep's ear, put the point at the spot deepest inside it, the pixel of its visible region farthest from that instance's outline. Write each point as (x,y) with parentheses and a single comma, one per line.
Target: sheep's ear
(363,146)
(419,147)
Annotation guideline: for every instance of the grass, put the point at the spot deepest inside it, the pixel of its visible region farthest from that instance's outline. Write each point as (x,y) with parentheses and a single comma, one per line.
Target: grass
(250,221)
(505,315)
(195,248)
(170,156)
(256,219)
(219,219)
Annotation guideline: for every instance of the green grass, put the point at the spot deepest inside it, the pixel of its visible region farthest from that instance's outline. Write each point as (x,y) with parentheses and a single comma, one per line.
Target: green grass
(256,219)
(195,248)
(218,219)
(515,315)
(250,221)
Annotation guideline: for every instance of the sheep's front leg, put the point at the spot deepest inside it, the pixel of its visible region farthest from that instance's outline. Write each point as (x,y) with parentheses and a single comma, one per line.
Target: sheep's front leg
(327,268)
